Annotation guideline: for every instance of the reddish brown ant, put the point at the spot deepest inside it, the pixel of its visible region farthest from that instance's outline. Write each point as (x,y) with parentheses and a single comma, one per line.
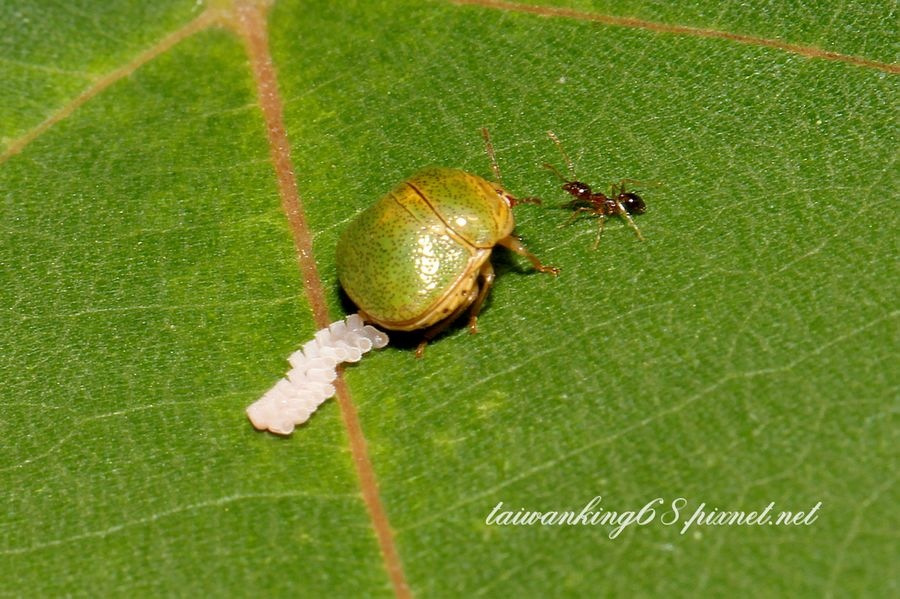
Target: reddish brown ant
(619,202)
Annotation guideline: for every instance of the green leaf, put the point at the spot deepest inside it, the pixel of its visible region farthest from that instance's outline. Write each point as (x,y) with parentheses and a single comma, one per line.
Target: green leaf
(743,354)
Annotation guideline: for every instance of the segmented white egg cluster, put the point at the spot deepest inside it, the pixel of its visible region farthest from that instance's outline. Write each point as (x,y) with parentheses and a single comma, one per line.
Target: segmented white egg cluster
(293,399)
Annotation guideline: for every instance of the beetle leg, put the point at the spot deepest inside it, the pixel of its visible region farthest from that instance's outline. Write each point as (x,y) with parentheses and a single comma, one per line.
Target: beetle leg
(439,327)
(486,274)
(513,244)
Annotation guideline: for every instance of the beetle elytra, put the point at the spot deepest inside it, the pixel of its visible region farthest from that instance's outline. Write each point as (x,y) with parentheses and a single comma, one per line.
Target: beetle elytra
(420,256)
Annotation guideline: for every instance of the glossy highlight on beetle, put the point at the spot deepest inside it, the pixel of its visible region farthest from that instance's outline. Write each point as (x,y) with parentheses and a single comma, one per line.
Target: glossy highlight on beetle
(420,256)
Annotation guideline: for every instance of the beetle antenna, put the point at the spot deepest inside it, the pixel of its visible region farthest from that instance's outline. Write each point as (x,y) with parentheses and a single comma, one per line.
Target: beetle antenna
(565,156)
(489,148)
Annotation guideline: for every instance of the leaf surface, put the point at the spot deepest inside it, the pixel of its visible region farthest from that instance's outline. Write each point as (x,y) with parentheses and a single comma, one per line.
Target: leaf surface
(743,354)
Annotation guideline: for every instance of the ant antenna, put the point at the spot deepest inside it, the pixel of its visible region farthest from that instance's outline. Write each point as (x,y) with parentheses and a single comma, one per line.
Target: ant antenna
(565,156)
(555,171)
(489,148)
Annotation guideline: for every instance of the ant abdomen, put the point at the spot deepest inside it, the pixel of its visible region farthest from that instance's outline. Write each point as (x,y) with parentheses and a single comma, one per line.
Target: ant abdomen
(632,202)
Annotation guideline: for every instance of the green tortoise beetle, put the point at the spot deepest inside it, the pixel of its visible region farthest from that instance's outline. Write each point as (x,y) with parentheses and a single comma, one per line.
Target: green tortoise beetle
(419,257)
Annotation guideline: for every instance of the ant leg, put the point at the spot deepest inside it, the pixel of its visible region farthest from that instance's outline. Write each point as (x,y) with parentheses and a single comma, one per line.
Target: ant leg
(487,280)
(577,212)
(513,244)
(623,184)
(620,209)
(600,226)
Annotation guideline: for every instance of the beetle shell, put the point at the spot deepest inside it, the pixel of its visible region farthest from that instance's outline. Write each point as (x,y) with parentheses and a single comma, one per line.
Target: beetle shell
(414,257)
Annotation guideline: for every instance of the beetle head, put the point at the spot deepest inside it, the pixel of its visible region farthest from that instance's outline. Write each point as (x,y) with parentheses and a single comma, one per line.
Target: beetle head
(508,198)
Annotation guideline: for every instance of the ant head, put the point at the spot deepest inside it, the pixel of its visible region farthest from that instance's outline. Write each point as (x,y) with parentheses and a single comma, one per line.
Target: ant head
(577,188)
(632,202)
